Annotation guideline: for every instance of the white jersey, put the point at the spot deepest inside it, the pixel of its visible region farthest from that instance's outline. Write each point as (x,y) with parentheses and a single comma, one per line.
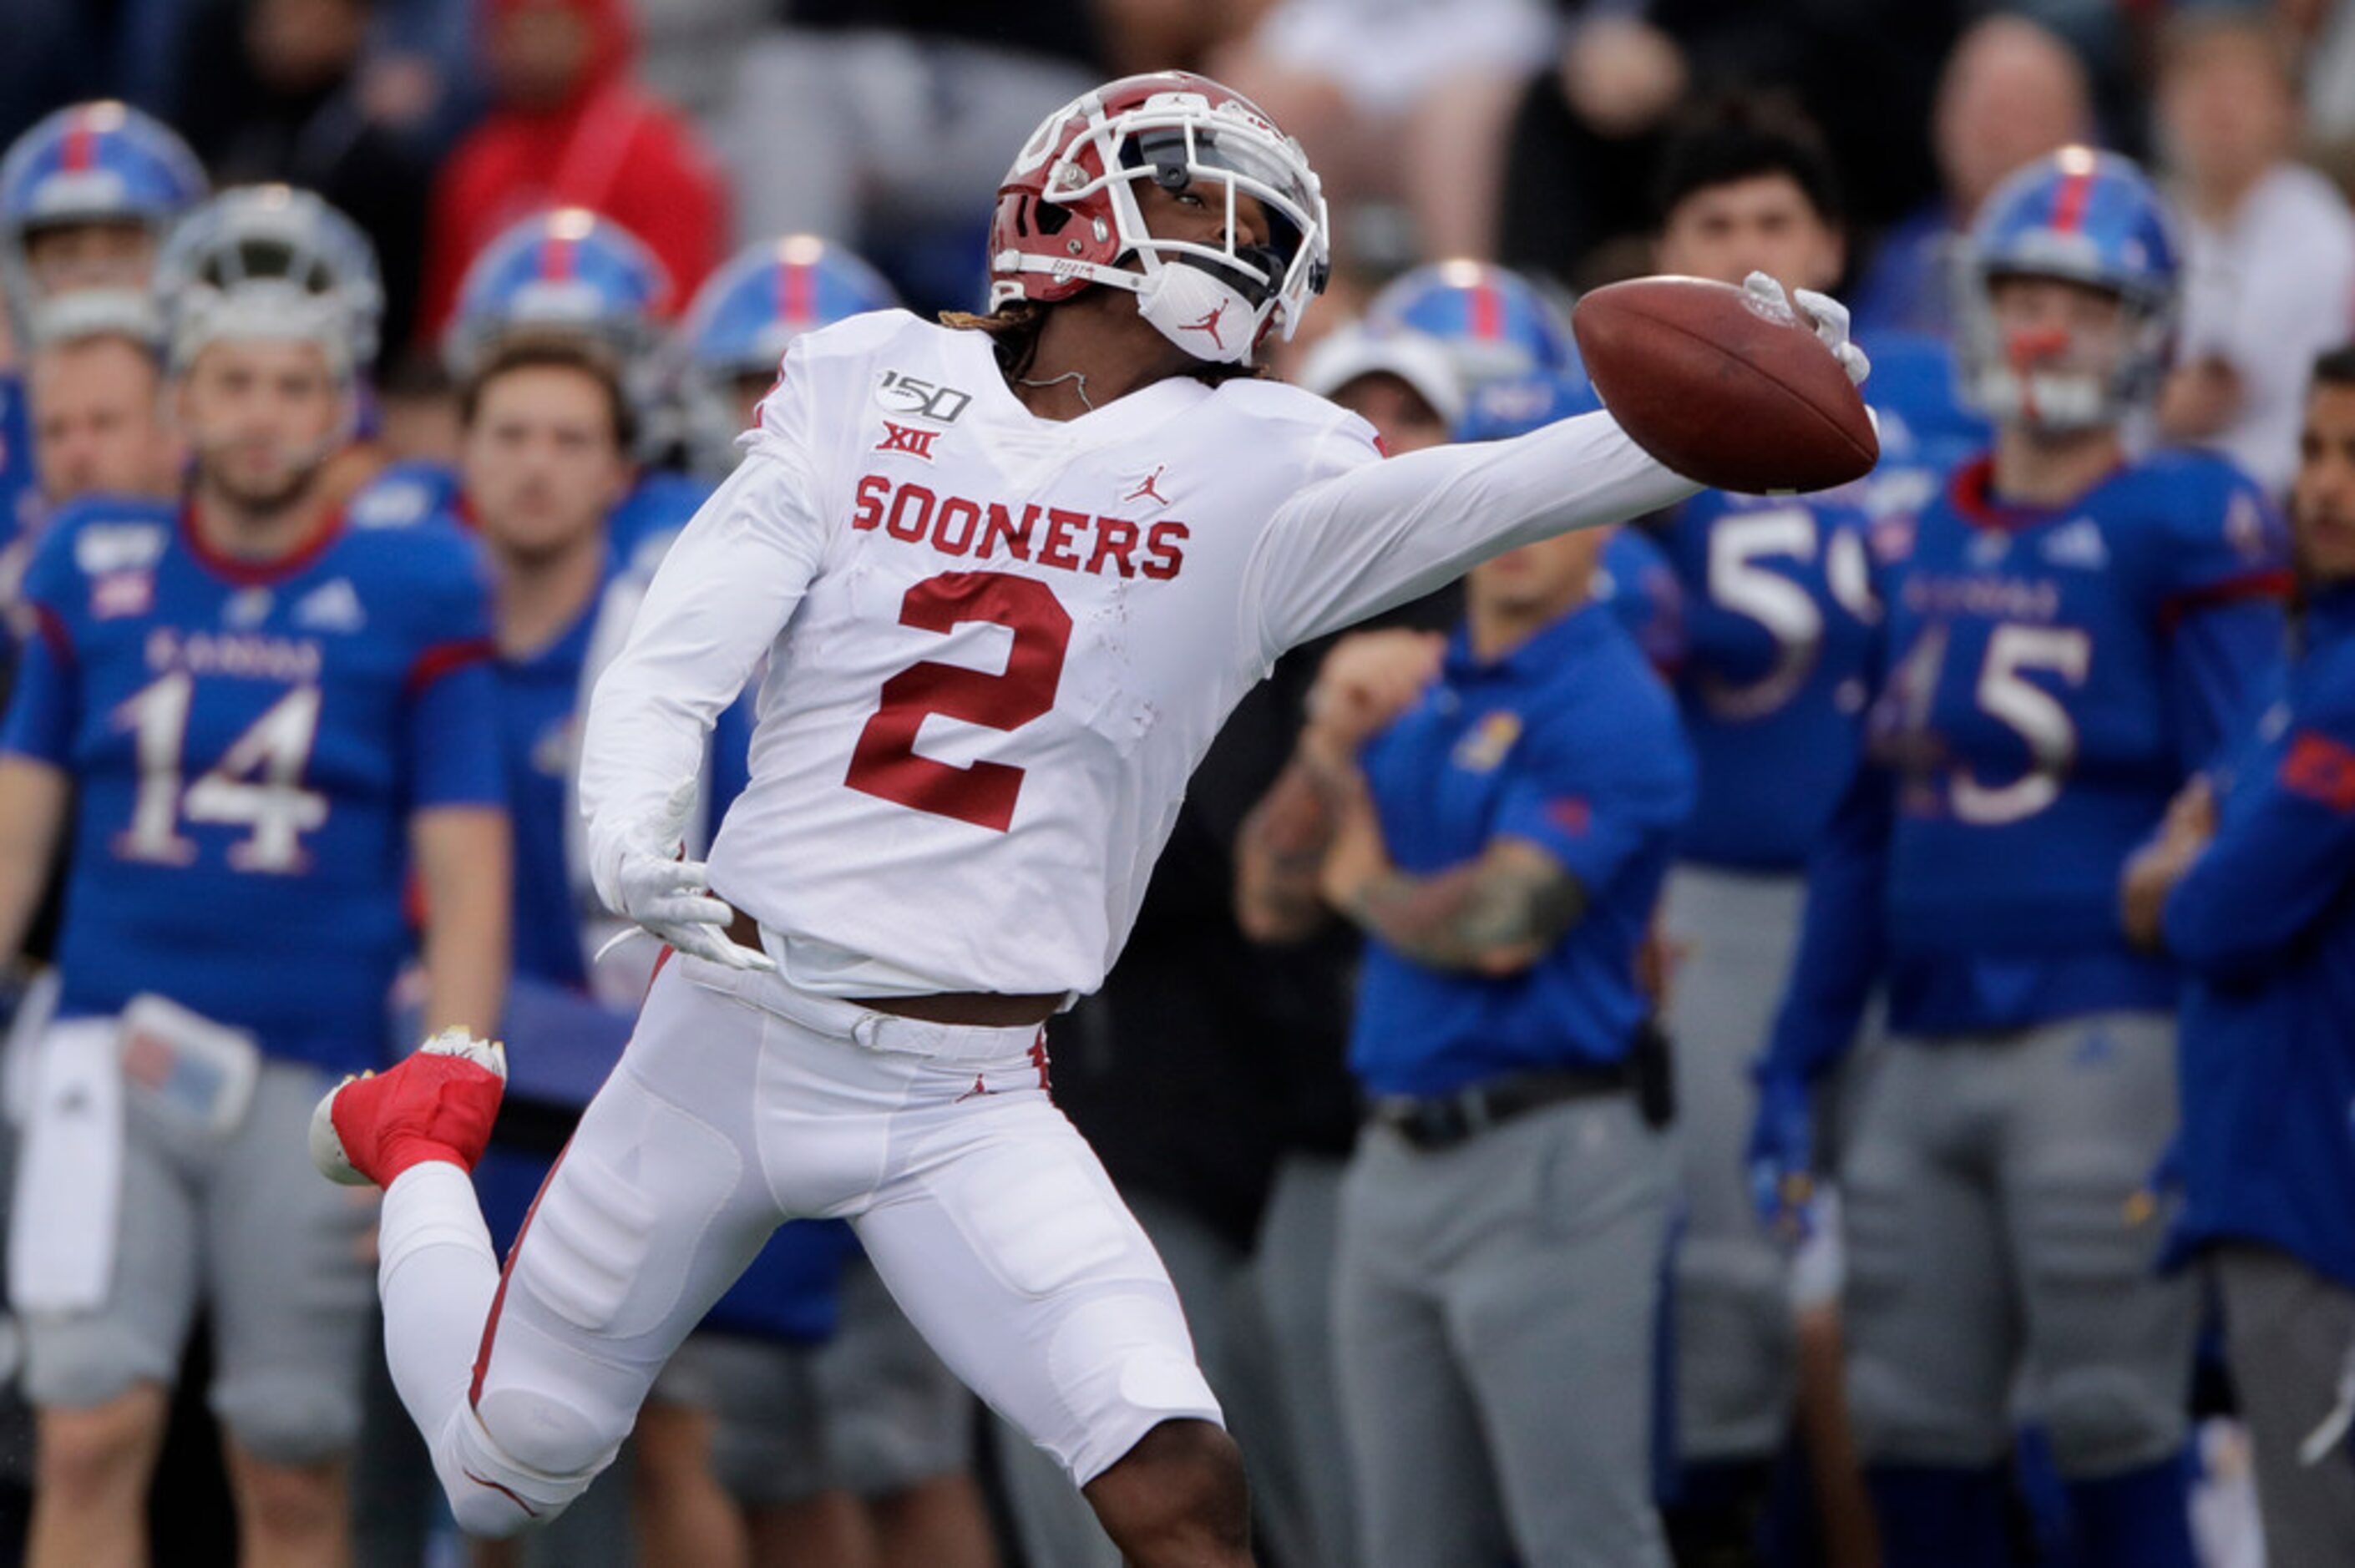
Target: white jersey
(999,644)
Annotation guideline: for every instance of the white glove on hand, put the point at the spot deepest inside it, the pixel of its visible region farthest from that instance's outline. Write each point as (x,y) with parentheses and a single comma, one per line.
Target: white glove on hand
(643,880)
(1826,315)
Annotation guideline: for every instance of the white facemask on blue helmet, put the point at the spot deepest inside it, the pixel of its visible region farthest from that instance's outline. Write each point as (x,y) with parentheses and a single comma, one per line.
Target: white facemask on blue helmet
(89,163)
(747,315)
(271,263)
(2082,217)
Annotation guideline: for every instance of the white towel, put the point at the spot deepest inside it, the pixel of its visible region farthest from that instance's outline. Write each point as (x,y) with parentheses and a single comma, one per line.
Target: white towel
(70,1173)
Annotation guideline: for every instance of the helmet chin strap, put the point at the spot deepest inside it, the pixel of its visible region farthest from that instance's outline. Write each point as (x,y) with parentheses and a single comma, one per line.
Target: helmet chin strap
(1200,311)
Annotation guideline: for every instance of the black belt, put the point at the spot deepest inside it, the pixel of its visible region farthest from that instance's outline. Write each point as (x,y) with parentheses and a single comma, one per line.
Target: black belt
(1444,1121)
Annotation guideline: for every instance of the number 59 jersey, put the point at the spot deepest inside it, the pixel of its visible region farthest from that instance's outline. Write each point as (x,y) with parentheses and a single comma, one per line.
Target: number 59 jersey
(1780,625)
(2052,678)
(1007,640)
(246,742)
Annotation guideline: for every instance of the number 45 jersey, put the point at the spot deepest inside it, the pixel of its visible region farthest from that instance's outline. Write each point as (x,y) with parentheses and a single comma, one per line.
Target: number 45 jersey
(2052,678)
(1007,641)
(245,743)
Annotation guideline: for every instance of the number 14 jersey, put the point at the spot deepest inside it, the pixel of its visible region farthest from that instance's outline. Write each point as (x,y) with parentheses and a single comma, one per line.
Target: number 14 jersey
(998,644)
(246,741)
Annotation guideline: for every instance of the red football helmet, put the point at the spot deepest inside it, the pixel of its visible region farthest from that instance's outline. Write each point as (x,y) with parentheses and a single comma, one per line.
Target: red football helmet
(1068,218)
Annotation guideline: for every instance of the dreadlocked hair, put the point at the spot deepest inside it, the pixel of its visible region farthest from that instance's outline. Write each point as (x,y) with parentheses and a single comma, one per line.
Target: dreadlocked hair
(1013,330)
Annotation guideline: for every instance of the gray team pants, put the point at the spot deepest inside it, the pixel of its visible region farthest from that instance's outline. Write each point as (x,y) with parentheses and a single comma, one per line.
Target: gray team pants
(240,1225)
(1998,1222)
(1495,1308)
(1731,938)
(1292,1269)
(871,1410)
(2288,1332)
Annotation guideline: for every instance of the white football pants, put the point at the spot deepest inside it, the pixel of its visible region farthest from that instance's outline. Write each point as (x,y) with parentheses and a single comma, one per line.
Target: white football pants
(742,1103)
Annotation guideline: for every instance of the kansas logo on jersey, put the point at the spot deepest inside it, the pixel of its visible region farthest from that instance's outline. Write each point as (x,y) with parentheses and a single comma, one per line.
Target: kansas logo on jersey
(1486,744)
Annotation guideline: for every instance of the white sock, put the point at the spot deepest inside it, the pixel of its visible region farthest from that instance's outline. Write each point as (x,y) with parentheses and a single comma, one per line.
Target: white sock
(437,1274)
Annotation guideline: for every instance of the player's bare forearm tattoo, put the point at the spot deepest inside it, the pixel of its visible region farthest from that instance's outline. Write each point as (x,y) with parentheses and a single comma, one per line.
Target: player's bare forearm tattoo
(1499,913)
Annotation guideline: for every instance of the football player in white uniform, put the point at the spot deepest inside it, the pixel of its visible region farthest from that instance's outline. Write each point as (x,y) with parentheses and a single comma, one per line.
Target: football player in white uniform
(1009,573)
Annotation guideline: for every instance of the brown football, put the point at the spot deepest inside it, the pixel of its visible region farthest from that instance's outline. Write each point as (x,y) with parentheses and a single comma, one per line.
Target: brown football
(1722,388)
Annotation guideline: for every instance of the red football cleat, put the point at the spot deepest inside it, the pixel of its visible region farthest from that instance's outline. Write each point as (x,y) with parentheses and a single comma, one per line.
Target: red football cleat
(437,1104)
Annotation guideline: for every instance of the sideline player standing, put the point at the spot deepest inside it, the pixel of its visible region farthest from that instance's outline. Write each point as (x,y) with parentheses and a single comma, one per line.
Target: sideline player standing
(261,718)
(1009,580)
(2247,885)
(85,198)
(2067,637)
(1778,619)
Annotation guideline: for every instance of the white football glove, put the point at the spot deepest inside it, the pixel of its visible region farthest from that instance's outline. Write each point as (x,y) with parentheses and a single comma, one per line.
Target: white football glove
(644,880)
(1826,315)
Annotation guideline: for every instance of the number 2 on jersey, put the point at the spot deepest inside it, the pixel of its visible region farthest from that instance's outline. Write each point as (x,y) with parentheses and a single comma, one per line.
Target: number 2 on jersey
(257,783)
(884,763)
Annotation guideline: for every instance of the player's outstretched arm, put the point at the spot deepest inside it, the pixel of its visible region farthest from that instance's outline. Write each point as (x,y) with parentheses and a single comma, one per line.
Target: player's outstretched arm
(33,800)
(1383,533)
(462,855)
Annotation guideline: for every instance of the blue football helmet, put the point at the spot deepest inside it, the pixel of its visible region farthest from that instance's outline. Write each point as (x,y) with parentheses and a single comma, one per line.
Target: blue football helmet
(101,162)
(271,262)
(768,294)
(2083,217)
(1498,324)
(564,273)
(1502,410)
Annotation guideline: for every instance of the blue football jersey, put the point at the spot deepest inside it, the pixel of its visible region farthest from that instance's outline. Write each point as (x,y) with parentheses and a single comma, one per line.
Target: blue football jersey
(2049,678)
(19,494)
(657,506)
(1779,625)
(406,492)
(1635,579)
(539,738)
(20,506)
(247,742)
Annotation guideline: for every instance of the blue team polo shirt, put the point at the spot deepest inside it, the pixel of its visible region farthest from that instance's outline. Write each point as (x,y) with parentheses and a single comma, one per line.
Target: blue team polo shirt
(1570,741)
